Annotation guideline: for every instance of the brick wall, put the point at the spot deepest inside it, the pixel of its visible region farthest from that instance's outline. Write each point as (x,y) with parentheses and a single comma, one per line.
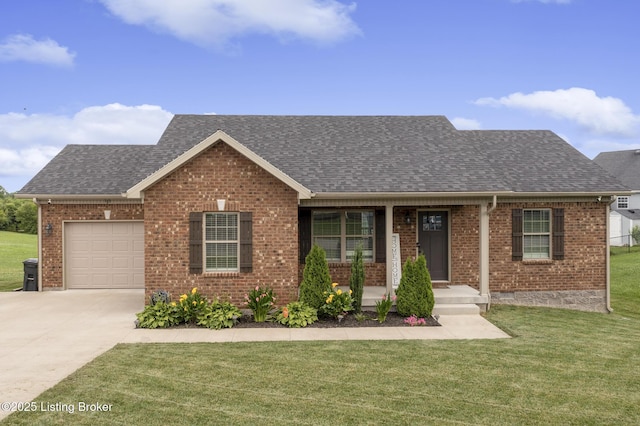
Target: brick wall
(583,267)
(221,173)
(52,245)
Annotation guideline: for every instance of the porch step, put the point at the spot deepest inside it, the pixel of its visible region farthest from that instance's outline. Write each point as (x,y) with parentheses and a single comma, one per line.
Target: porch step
(456,309)
(452,300)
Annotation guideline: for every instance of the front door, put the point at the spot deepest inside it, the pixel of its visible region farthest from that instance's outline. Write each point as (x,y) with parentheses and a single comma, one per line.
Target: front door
(433,242)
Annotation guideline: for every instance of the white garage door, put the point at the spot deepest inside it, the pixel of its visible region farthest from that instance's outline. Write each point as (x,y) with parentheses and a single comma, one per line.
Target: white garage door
(104,255)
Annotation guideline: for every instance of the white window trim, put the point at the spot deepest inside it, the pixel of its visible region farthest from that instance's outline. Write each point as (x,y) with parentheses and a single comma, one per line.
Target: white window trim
(343,233)
(622,202)
(205,242)
(527,234)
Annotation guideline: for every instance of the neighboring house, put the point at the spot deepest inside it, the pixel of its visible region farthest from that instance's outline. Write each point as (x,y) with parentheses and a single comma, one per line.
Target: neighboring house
(625,211)
(225,203)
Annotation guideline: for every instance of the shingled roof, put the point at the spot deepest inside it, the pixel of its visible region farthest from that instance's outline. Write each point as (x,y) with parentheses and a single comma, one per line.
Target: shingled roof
(625,165)
(345,154)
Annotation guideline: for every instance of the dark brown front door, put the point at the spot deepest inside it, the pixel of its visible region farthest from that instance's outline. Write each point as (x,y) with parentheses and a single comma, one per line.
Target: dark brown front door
(433,242)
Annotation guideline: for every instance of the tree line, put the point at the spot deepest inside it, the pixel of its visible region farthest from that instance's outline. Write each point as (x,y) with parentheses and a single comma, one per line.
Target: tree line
(17,215)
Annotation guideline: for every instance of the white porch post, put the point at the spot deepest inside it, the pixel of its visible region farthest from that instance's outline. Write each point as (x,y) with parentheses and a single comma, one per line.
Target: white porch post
(484,249)
(388,233)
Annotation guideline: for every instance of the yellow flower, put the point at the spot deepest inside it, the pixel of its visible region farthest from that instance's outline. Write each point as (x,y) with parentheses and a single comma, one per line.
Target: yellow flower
(194,303)
(329,299)
(350,292)
(183,297)
(194,290)
(339,292)
(173,303)
(334,285)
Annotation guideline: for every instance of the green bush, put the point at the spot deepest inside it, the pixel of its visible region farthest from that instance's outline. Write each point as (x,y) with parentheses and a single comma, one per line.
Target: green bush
(356,280)
(297,314)
(414,295)
(316,279)
(635,234)
(337,303)
(191,305)
(159,315)
(218,315)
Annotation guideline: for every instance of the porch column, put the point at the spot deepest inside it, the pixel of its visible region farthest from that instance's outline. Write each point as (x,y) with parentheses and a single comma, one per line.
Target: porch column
(484,249)
(388,233)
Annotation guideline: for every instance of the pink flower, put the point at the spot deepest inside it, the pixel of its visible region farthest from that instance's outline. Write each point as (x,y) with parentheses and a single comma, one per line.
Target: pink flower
(257,288)
(393,297)
(384,297)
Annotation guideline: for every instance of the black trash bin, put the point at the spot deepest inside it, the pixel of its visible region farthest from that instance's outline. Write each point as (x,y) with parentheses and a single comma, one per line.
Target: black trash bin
(30,275)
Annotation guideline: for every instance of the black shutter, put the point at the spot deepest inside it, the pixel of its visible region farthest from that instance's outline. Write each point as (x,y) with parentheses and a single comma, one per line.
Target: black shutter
(304,234)
(195,243)
(558,234)
(516,234)
(381,246)
(246,242)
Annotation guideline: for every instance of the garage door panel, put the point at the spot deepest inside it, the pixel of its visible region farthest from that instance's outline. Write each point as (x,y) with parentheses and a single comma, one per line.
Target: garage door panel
(104,255)
(121,246)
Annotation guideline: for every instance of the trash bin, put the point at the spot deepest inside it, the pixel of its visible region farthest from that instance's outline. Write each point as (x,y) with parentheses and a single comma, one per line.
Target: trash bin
(30,275)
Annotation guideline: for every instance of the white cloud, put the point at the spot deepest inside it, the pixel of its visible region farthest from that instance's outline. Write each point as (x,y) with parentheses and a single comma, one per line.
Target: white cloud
(216,22)
(28,142)
(23,47)
(466,123)
(598,115)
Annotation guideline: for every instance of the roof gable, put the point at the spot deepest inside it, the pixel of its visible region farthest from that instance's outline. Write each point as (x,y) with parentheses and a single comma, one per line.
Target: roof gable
(219,136)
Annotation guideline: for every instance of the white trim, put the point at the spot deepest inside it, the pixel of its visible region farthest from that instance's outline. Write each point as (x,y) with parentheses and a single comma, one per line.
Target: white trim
(137,190)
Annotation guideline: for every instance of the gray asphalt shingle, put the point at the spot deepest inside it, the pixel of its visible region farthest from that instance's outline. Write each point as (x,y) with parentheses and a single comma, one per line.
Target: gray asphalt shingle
(346,154)
(625,165)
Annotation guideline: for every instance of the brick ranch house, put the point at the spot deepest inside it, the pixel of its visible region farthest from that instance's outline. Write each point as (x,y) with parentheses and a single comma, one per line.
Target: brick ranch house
(225,203)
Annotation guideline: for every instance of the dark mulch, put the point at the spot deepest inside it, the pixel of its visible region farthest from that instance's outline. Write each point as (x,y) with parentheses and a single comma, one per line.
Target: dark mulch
(393,320)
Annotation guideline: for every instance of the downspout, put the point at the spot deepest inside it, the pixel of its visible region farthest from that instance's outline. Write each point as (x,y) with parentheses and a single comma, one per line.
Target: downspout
(608,258)
(35,200)
(493,205)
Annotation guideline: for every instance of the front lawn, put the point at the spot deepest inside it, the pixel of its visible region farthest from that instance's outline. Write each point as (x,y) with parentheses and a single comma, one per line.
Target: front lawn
(14,249)
(561,367)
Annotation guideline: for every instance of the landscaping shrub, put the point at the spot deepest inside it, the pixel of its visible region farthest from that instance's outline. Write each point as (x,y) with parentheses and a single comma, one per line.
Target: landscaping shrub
(297,314)
(218,315)
(192,309)
(337,302)
(414,295)
(260,301)
(356,280)
(316,279)
(383,306)
(159,315)
(191,305)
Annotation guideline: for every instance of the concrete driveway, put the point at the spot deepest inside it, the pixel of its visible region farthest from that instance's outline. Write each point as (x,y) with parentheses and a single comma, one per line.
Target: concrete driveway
(45,336)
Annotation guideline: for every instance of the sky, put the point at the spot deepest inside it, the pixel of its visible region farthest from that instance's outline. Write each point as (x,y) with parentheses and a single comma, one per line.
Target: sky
(116,71)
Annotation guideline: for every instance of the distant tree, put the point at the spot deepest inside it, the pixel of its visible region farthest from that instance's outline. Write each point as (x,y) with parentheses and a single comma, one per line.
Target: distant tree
(27,217)
(3,192)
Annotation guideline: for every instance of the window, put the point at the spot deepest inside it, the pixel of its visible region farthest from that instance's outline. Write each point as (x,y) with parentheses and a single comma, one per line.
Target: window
(537,234)
(221,242)
(623,202)
(340,232)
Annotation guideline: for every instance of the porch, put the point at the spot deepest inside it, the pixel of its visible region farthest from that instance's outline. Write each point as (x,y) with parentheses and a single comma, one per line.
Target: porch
(452,300)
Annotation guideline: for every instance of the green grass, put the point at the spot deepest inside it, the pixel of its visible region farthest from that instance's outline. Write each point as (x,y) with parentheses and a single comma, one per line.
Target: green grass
(15,248)
(561,367)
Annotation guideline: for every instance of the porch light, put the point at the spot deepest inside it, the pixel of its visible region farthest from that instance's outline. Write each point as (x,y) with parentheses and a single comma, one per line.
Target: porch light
(48,229)
(221,204)
(107,214)
(407,218)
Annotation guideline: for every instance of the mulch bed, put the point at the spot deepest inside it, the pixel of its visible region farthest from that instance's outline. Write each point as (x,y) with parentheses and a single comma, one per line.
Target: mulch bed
(393,320)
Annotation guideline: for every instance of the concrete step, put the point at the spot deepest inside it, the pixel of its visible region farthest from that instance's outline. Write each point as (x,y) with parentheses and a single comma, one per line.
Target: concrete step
(456,309)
